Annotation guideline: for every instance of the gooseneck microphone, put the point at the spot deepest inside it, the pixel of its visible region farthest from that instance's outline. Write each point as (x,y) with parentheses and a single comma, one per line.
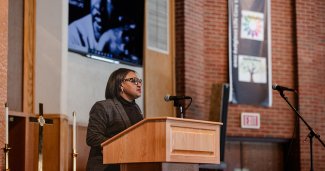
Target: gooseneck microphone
(179,104)
(170,98)
(282,88)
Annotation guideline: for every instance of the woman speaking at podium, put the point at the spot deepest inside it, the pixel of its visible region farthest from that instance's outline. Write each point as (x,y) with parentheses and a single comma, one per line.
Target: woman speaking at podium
(113,115)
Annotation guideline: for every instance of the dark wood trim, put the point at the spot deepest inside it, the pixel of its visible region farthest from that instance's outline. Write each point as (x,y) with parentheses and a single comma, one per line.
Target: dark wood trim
(257,139)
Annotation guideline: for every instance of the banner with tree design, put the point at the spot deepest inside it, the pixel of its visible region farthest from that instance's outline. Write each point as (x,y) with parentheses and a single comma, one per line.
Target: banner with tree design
(250,52)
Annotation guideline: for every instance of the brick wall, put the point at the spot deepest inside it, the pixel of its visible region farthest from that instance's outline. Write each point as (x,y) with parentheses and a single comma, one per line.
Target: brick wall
(200,51)
(3,72)
(202,59)
(205,61)
(310,16)
(179,43)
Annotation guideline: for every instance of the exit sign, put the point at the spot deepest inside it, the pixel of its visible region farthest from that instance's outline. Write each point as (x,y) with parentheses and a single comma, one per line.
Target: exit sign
(250,120)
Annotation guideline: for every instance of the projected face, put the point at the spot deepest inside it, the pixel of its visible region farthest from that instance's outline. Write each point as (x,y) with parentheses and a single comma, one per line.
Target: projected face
(103,16)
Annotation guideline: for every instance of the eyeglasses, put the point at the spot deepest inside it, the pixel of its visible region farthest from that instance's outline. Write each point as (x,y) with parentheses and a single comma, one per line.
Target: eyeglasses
(134,80)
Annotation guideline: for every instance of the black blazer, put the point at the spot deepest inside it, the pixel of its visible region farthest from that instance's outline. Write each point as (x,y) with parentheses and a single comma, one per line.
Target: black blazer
(106,119)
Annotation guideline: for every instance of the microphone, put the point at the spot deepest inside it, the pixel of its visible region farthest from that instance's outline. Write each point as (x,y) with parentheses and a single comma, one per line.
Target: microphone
(281,88)
(169,98)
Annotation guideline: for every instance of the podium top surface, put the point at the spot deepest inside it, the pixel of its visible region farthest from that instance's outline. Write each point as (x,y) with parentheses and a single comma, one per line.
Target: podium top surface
(154,119)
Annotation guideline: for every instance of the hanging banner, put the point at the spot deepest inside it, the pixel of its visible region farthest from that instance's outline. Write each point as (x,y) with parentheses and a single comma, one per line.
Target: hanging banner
(250,52)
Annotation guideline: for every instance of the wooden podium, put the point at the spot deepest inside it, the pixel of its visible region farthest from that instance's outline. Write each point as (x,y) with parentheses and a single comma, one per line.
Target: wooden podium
(164,144)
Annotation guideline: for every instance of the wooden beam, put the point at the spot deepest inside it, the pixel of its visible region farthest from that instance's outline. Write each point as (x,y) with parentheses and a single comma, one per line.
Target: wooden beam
(29,56)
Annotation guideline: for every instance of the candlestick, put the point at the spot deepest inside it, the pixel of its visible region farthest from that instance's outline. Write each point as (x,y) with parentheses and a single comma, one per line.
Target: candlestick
(74,131)
(7,123)
(74,135)
(7,148)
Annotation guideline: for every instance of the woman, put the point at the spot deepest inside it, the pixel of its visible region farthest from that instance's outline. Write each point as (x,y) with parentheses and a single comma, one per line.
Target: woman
(113,115)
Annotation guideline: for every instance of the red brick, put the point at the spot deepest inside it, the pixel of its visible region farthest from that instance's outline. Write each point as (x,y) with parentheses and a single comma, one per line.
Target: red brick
(3,72)
(297,61)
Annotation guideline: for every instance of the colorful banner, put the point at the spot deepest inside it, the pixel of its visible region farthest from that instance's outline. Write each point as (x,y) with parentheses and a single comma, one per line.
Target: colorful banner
(250,52)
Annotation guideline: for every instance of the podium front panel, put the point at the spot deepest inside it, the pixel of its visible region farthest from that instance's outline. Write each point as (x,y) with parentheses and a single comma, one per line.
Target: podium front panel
(193,142)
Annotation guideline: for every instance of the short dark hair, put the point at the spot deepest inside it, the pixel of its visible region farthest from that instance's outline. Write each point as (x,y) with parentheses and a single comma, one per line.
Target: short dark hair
(114,82)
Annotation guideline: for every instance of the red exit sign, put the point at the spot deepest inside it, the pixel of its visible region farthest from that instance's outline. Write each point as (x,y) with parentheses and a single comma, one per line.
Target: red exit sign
(250,120)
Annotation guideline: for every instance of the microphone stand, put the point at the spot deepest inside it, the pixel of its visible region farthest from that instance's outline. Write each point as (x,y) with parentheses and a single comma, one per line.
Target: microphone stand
(179,106)
(311,134)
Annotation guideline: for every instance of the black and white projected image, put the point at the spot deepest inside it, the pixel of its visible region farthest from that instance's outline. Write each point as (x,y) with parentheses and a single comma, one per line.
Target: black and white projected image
(108,29)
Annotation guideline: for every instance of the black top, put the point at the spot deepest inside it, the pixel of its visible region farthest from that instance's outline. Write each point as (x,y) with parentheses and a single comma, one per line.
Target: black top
(131,110)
